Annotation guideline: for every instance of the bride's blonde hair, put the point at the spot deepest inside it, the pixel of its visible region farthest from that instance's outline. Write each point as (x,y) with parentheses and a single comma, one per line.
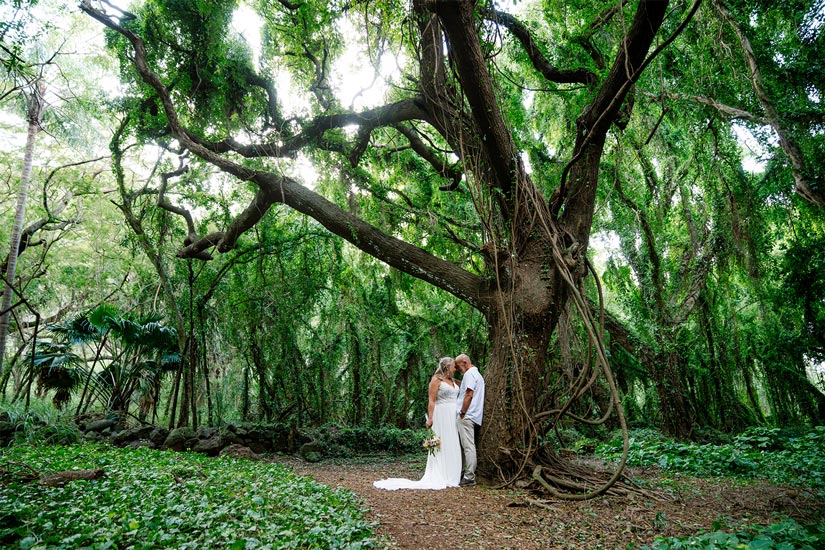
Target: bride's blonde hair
(441,369)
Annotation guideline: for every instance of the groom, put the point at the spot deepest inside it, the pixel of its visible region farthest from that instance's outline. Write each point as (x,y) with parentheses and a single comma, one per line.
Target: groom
(470,409)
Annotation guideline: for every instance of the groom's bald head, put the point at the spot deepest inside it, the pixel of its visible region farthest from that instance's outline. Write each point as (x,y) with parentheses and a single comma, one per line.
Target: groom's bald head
(462,363)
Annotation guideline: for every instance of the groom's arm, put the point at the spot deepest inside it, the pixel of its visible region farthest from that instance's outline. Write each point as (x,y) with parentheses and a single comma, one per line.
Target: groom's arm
(468,398)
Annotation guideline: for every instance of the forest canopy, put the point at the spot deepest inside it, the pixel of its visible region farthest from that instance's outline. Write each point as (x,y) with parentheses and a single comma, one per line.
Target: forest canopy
(288,211)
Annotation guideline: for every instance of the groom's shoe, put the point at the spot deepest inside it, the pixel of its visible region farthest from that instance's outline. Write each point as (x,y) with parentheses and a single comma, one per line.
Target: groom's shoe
(466,482)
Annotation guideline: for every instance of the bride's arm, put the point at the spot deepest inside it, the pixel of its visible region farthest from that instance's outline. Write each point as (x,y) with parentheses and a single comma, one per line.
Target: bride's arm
(433,393)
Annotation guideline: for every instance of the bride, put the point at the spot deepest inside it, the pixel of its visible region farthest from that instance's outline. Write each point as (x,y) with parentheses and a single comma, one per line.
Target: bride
(444,464)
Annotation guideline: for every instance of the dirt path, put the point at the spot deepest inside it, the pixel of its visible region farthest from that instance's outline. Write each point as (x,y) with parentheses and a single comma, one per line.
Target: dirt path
(482,517)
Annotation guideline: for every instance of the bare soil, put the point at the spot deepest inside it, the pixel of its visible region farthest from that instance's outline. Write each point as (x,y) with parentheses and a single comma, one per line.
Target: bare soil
(487,517)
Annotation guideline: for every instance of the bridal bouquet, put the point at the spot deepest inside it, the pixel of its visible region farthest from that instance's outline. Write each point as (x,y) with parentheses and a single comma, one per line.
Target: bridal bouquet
(432,442)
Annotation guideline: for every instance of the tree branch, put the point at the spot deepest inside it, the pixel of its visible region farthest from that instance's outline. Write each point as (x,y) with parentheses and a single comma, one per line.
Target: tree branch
(448,171)
(274,188)
(726,110)
(813,192)
(540,62)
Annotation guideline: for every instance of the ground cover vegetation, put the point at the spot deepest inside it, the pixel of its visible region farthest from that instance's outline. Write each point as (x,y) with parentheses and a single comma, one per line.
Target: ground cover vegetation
(154,499)
(615,208)
(789,457)
(163,499)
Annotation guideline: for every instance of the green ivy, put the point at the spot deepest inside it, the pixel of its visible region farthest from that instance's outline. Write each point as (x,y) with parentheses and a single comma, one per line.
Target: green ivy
(786,535)
(782,456)
(155,499)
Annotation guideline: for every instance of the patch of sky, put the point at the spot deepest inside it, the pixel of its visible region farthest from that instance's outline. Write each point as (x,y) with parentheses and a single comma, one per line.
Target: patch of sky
(752,152)
(813,21)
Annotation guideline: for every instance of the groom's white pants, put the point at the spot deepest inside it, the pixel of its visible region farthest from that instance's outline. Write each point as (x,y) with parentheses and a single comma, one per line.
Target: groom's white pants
(466,434)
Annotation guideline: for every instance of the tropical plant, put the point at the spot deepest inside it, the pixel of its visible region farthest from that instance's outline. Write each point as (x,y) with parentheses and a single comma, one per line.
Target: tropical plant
(127,359)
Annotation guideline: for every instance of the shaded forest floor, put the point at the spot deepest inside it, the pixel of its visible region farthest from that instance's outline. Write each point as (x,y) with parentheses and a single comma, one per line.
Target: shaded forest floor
(484,517)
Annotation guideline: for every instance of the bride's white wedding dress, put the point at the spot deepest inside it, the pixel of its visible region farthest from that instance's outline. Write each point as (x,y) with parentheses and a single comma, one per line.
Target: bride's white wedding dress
(444,465)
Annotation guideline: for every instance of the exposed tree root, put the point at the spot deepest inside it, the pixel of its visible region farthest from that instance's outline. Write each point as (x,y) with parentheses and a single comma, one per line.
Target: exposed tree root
(58,479)
(17,471)
(566,480)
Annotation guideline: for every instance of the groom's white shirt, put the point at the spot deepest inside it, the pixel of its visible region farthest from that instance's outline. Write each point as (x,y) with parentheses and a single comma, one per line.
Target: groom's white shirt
(472,380)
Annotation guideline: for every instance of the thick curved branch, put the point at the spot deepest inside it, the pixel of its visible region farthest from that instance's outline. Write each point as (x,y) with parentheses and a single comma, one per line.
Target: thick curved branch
(593,125)
(395,252)
(313,133)
(498,162)
(448,171)
(540,62)
(444,107)
(457,18)
(273,188)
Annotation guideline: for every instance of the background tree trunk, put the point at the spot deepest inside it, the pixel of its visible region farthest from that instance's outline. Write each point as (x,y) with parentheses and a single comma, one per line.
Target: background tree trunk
(34,116)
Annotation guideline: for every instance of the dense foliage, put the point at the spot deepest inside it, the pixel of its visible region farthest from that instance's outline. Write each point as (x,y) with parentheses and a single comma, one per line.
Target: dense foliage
(793,457)
(153,499)
(785,535)
(708,246)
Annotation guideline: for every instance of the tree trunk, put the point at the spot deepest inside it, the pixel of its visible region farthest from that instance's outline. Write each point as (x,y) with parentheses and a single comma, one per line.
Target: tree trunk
(677,418)
(520,331)
(264,393)
(245,395)
(186,390)
(34,117)
(174,400)
(355,366)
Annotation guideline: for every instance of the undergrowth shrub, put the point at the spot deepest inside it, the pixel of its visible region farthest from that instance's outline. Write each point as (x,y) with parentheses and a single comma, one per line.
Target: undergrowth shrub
(41,423)
(785,535)
(344,442)
(795,457)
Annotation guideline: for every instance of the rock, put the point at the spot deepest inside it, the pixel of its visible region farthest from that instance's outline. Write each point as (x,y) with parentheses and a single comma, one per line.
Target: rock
(239,451)
(180,439)
(158,436)
(138,443)
(228,436)
(132,434)
(285,439)
(311,452)
(313,457)
(101,425)
(7,430)
(209,447)
(256,438)
(206,432)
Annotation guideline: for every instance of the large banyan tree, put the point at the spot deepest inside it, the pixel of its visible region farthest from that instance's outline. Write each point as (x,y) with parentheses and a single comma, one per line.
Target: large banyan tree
(496,131)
